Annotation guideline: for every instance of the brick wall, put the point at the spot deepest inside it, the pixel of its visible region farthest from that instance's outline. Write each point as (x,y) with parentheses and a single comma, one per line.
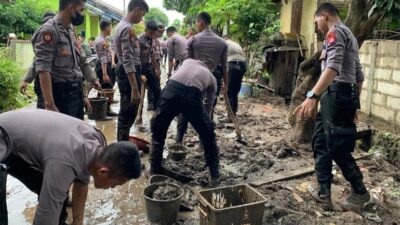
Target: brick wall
(381,61)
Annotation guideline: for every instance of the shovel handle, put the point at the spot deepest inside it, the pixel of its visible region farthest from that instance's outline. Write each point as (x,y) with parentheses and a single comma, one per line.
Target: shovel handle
(233,117)
(140,109)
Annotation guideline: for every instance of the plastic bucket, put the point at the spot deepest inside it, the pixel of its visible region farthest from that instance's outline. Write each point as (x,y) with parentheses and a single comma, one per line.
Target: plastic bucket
(109,93)
(246,91)
(99,108)
(164,212)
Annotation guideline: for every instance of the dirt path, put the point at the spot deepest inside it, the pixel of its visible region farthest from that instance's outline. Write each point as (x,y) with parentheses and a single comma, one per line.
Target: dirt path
(266,131)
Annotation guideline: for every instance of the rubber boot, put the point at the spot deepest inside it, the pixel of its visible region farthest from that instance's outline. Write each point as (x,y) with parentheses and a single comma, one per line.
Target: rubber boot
(122,135)
(322,194)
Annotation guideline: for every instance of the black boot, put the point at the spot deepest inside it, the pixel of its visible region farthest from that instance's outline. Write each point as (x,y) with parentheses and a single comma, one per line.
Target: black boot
(322,194)
(357,198)
(122,135)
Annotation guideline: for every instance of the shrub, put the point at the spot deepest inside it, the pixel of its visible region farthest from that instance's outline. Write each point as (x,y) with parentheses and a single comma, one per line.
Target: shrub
(10,75)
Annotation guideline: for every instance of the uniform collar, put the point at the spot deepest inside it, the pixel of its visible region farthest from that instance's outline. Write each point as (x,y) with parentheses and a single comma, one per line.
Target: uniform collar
(207,30)
(59,24)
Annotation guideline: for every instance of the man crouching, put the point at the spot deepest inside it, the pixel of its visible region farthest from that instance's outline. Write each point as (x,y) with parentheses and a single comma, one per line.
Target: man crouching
(49,151)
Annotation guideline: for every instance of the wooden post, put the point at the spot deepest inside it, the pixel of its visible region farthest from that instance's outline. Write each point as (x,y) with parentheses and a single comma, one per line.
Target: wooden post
(373,51)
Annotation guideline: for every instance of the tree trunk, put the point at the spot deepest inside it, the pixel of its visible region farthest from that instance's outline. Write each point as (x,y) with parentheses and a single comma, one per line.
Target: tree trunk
(359,23)
(309,73)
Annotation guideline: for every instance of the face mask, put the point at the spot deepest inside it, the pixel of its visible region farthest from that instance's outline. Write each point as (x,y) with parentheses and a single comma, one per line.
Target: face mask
(77,19)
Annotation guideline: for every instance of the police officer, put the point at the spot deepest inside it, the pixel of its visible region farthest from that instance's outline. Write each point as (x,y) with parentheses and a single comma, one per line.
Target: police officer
(208,47)
(104,70)
(56,60)
(149,64)
(127,48)
(212,50)
(236,71)
(158,54)
(156,57)
(335,131)
(176,46)
(48,152)
(184,94)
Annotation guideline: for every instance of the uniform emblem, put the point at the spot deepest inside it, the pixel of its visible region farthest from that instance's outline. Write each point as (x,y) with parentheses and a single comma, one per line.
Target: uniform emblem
(106,46)
(331,37)
(47,37)
(65,52)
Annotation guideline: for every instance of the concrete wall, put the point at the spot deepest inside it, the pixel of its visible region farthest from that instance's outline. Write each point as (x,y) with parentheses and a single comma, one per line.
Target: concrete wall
(381,90)
(22,53)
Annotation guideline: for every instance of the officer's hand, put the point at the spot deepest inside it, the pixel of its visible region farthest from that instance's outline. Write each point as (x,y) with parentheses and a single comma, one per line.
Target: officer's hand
(306,109)
(87,104)
(96,84)
(113,65)
(135,97)
(106,79)
(52,107)
(22,87)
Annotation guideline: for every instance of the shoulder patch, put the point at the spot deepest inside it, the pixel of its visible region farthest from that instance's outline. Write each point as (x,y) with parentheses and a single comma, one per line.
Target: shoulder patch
(47,37)
(105,45)
(331,37)
(132,35)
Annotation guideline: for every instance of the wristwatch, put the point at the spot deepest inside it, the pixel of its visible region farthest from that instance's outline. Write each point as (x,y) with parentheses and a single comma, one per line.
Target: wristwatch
(312,95)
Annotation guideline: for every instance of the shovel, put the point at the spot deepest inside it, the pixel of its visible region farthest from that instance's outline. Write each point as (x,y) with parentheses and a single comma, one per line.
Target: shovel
(140,109)
(234,119)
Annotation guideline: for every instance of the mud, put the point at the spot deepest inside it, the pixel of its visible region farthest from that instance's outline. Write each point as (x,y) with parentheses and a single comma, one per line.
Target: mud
(265,128)
(165,192)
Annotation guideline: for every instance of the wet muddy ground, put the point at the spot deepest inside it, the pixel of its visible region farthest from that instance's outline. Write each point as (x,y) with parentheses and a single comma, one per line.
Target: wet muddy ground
(267,152)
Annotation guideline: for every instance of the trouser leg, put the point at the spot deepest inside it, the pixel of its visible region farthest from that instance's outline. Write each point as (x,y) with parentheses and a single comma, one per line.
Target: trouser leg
(218,76)
(126,117)
(70,102)
(40,104)
(193,110)
(236,72)
(323,160)
(3,196)
(182,127)
(165,113)
(128,111)
(341,131)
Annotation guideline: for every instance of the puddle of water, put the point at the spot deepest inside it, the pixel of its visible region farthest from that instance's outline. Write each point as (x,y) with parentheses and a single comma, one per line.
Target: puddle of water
(122,205)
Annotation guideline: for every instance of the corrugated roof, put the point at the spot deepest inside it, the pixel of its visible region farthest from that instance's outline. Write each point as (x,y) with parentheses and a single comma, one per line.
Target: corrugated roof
(104,10)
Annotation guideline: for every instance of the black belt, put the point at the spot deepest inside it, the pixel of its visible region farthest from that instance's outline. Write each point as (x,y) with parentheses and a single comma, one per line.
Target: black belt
(68,86)
(342,87)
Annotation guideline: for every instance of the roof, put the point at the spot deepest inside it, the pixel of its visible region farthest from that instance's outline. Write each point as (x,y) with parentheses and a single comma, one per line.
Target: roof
(104,10)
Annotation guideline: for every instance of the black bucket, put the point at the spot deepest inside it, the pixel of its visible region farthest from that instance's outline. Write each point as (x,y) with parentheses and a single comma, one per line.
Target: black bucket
(164,212)
(99,107)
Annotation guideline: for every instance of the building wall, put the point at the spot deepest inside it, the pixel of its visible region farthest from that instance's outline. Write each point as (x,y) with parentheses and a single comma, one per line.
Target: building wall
(384,69)
(286,16)
(307,20)
(307,24)
(22,53)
